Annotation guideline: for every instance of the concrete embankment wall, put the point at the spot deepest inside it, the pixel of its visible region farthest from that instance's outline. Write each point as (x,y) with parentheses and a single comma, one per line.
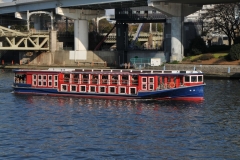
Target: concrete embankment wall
(111,58)
(62,58)
(224,71)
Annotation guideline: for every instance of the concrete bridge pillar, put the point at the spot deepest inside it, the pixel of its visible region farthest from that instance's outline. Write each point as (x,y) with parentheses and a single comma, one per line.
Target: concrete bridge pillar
(81,18)
(177,49)
(176,12)
(80,35)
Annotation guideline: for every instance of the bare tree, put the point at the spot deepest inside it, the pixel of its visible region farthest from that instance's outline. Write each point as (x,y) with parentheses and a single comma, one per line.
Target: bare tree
(221,19)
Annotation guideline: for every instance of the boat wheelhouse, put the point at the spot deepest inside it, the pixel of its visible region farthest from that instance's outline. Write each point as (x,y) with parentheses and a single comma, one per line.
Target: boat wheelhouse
(111,83)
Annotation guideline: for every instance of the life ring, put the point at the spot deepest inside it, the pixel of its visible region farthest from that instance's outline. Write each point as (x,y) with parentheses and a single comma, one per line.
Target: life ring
(171,85)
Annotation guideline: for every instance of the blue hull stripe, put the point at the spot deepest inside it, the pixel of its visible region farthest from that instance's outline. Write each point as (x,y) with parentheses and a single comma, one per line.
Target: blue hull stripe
(192,91)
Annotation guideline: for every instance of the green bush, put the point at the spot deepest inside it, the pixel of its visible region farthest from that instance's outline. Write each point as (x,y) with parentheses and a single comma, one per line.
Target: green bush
(174,62)
(234,53)
(197,46)
(195,60)
(206,57)
(186,59)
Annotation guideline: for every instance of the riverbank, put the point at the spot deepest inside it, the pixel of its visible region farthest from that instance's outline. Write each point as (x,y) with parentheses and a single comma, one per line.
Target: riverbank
(210,71)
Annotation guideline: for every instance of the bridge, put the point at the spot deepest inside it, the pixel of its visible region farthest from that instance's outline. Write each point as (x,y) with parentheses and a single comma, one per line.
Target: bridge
(84,10)
(143,37)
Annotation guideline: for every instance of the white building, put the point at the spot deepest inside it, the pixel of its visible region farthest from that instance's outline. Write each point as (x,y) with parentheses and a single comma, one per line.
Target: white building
(194,17)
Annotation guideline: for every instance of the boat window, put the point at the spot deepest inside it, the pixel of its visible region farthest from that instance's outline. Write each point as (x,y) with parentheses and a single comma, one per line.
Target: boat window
(150,86)
(20,78)
(34,81)
(66,77)
(43,80)
(82,88)
(63,87)
(44,77)
(135,80)
(150,79)
(102,89)
(122,90)
(44,83)
(92,88)
(111,89)
(49,80)
(55,80)
(104,79)
(39,77)
(95,79)
(125,79)
(133,90)
(85,78)
(144,86)
(75,78)
(200,78)
(114,79)
(144,79)
(73,88)
(193,78)
(187,79)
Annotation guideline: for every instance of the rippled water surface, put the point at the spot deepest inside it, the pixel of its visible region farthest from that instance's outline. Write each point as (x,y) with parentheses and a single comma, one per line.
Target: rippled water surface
(43,127)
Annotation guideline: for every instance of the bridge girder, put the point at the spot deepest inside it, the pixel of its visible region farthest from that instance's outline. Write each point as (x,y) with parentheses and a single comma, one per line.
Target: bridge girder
(36,5)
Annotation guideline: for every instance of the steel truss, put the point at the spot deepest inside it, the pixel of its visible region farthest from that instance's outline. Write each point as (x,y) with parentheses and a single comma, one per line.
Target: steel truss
(14,40)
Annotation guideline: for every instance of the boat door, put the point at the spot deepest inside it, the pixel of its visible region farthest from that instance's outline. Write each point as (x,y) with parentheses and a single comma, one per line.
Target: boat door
(147,83)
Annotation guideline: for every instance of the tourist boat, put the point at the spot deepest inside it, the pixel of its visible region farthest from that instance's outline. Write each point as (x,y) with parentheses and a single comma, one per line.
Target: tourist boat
(111,83)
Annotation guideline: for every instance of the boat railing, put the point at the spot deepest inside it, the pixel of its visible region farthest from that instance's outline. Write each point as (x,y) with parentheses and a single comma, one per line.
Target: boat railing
(102,81)
(135,82)
(66,80)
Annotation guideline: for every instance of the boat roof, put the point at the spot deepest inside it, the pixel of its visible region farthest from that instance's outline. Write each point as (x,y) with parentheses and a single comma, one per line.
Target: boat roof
(110,71)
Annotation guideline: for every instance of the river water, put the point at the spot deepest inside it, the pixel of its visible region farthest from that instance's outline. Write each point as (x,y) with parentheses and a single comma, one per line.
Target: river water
(43,127)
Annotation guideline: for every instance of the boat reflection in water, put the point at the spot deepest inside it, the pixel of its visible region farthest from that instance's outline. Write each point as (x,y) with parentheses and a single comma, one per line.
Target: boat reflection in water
(46,102)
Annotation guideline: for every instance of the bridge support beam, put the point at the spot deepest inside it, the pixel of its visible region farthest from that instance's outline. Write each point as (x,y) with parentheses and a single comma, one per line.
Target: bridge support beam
(122,41)
(177,12)
(81,18)
(38,18)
